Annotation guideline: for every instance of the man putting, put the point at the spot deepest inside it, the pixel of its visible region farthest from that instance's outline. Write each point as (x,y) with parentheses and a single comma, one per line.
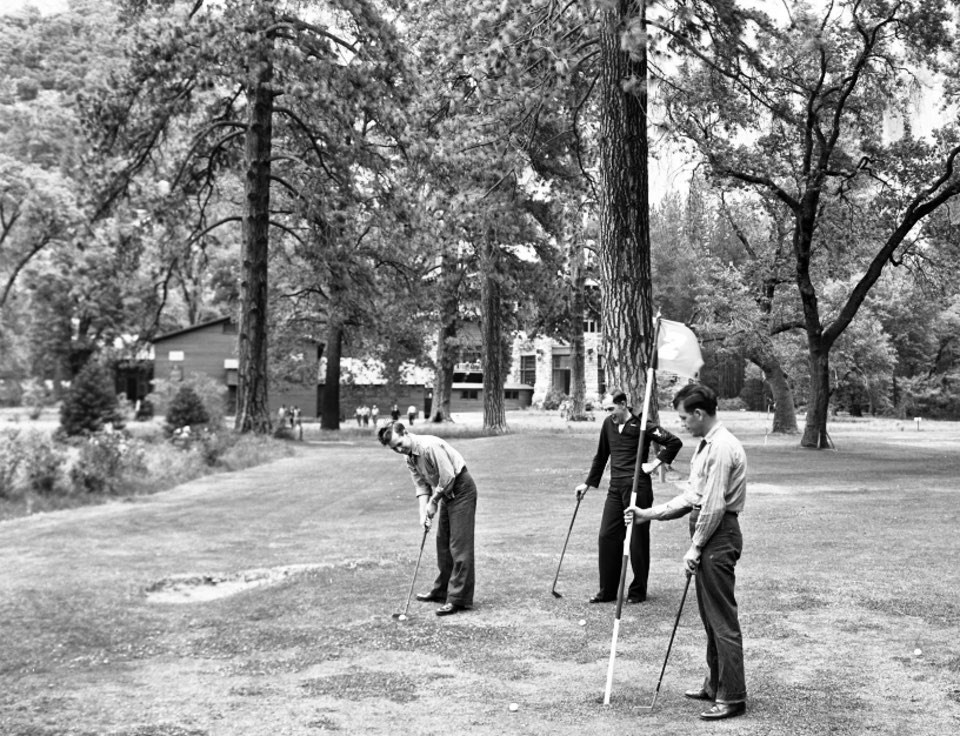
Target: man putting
(619,440)
(715,496)
(446,490)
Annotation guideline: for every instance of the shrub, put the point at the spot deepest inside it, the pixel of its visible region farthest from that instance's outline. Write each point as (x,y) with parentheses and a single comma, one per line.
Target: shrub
(186,410)
(90,403)
(34,397)
(553,400)
(106,460)
(212,394)
(11,458)
(44,463)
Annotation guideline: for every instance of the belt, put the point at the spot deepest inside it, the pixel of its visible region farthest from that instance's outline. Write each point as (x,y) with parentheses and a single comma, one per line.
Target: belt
(735,513)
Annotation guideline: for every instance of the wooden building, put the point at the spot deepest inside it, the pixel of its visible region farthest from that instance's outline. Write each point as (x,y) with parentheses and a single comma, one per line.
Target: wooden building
(210,348)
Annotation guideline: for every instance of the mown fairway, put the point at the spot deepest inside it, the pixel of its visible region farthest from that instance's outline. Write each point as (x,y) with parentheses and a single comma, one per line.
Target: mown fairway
(849,568)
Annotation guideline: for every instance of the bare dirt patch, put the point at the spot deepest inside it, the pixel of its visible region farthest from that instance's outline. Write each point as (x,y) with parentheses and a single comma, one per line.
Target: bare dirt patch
(199,588)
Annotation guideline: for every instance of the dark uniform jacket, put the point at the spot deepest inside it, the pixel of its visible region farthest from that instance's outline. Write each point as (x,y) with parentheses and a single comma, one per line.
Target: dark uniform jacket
(621,449)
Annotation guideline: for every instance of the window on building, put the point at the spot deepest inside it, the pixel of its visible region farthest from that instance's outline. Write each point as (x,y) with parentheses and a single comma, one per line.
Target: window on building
(511,394)
(470,394)
(561,373)
(528,369)
(591,325)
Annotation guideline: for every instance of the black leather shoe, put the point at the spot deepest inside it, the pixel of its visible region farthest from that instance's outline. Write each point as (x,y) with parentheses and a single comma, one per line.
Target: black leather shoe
(430,598)
(597,599)
(636,599)
(700,694)
(724,710)
(448,609)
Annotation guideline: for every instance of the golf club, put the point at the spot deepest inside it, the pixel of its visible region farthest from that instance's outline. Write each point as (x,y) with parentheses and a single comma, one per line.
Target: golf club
(402,616)
(553,590)
(669,646)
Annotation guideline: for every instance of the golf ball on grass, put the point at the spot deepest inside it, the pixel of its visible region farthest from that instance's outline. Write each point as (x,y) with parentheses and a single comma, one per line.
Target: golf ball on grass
(401,617)
(583,622)
(514,707)
(917,652)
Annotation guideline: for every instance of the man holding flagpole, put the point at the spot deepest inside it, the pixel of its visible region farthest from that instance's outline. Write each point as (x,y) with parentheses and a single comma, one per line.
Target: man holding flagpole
(715,497)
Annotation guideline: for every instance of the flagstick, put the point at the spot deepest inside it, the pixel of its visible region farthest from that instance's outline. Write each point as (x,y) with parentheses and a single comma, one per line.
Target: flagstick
(645,416)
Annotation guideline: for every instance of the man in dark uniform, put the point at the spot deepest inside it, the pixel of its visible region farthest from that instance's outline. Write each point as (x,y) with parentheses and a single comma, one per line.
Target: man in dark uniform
(446,490)
(619,437)
(714,497)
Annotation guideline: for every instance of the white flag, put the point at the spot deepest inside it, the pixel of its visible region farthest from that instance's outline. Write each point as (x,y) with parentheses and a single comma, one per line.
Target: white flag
(678,350)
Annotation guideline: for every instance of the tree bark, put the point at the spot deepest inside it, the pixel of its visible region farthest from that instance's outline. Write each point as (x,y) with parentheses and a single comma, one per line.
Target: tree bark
(626,290)
(253,409)
(446,347)
(815,432)
(492,351)
(578,379)
(784,410)
(330,409)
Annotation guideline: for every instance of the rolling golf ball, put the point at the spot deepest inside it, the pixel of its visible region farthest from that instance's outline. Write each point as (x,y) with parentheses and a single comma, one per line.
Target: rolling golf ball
(583,622)
(401,617)
(917,652)
(514,707)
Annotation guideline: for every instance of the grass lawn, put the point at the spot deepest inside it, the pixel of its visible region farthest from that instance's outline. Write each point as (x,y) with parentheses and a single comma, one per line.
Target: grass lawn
(259,602)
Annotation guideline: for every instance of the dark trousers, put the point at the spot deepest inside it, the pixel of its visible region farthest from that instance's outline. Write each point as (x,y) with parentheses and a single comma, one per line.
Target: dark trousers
(612,533)
(718,610)
(455,522)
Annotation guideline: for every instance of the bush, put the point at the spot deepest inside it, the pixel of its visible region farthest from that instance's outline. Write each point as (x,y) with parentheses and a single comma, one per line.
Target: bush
(186,410)
(107,460)
(213,396)
(11,458)
(937,397)
(44,463)
(34,397)
(553,400)
(91,403)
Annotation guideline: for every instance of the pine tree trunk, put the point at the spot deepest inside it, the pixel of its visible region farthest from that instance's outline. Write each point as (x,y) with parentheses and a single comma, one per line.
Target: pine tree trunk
(253,410)
(492,351)
(330,410)
(447,347)
(578,378)
(626,291)
(815,432)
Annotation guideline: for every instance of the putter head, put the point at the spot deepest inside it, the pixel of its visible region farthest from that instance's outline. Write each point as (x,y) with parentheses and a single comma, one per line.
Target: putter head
(556,594)
(400,616)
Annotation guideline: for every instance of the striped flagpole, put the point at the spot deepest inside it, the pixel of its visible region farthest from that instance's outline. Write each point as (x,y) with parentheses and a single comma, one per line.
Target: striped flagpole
(645,416)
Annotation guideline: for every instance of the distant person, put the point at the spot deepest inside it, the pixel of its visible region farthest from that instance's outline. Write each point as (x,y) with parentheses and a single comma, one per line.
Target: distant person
(281,414)
(620,436)
(446,491)
(411,413)
(395,413)
(716,492)
(359,415)
(296,421)
(366,415)
(374,415)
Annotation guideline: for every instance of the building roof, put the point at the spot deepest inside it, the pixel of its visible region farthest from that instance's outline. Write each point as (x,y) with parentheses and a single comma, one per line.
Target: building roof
(191,328)
(509,386)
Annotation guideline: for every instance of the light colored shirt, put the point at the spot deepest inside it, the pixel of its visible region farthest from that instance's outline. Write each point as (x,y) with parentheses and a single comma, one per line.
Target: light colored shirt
(717,484)
(433,463)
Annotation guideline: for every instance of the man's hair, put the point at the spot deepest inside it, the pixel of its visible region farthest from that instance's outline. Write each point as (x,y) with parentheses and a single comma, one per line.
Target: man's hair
(696,396)
(617,396)
(388,429)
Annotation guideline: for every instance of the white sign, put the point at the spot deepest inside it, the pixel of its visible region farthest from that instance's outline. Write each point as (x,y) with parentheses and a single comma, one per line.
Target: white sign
(231,364)
(176,356)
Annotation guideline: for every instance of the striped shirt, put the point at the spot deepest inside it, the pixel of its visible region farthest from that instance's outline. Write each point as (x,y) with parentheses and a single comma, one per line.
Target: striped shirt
(717,483)
(433,463)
